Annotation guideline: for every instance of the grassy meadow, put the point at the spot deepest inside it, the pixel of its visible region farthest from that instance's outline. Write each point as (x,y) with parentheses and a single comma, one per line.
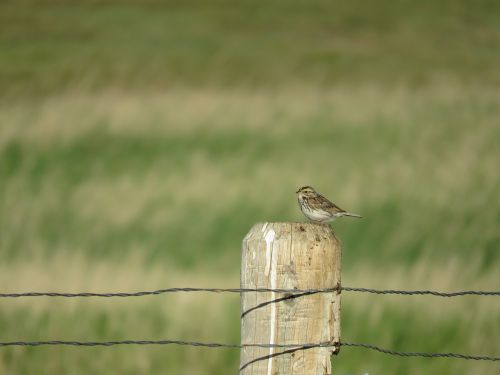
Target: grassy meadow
(141,140)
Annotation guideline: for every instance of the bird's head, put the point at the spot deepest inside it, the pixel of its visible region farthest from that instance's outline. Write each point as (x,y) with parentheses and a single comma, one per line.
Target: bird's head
(306,191)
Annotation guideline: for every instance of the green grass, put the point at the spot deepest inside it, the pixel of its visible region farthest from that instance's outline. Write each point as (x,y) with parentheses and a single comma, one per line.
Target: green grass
(52,46)
(177,194)
(139,142)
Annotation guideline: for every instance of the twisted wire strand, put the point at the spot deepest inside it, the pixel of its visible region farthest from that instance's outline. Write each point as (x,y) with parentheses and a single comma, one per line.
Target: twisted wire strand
(156,342)
(421,354)
(291,347)
(163,291)
(423,292)
(255,290)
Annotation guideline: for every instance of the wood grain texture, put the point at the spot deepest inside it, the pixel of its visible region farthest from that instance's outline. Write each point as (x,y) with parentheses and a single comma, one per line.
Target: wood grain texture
(290,256)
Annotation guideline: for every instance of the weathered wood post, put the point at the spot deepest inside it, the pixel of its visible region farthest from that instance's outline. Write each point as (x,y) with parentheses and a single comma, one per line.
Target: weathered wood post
(289,256)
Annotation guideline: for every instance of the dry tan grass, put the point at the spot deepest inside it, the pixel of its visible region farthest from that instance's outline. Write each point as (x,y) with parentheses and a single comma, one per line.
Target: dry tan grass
(64,118)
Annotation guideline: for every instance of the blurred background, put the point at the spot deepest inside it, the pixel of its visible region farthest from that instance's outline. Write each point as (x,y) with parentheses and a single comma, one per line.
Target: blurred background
(141,140)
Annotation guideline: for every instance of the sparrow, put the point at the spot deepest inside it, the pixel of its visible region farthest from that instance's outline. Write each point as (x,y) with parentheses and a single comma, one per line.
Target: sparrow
(317,208)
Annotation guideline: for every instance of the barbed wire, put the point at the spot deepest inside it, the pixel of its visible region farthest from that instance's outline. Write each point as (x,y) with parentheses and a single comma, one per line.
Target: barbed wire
(151,342)
(257,290)
(422,354)
(167,290)
(423,292)
(292,347)
(289,294)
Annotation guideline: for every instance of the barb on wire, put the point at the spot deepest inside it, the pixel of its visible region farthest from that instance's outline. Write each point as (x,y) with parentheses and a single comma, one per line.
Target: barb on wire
(256,290)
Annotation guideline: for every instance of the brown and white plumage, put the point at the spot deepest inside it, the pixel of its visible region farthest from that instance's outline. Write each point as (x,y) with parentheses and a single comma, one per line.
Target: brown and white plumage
(317,208)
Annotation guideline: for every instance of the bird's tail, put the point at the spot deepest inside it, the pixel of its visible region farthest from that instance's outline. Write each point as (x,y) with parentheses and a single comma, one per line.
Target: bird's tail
(352,215)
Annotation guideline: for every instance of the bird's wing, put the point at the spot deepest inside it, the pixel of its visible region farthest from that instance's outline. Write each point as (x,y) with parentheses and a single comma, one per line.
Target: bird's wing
(326,205)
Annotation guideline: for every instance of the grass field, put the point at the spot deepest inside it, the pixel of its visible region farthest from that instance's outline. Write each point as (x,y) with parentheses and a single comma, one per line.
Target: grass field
(140,141)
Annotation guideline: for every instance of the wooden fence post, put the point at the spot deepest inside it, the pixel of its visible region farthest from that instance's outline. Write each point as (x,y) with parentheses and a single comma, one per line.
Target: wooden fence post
(290,256)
